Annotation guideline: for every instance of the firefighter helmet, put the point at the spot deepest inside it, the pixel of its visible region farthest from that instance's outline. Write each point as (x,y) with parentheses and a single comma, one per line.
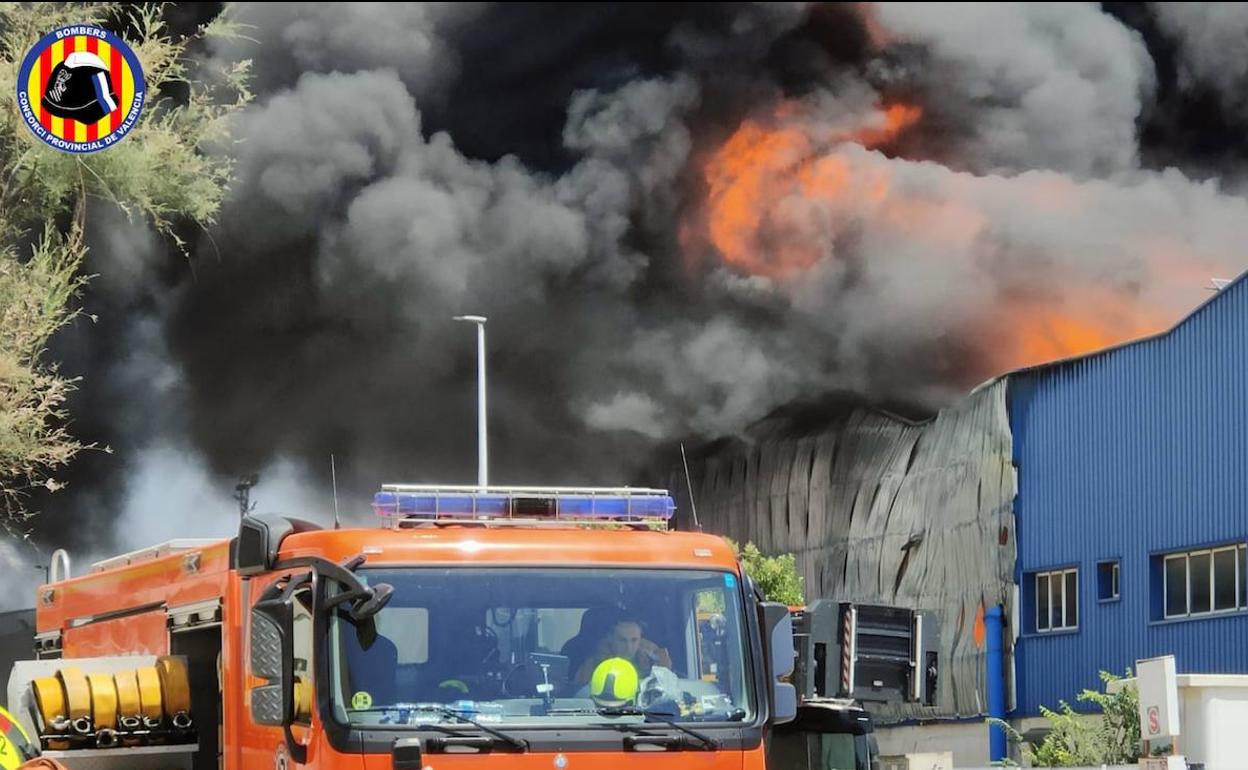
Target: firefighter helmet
(614,682)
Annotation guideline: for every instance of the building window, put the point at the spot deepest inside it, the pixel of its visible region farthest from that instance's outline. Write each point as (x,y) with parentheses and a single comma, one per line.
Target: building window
(1057,600)
(1204,582)
(1107,581)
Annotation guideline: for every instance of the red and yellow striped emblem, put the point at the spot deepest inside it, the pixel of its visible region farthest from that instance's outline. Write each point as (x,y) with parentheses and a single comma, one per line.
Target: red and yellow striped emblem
(105,74)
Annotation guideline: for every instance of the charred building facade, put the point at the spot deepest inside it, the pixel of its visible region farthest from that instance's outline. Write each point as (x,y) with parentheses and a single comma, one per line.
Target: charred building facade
(1095,505)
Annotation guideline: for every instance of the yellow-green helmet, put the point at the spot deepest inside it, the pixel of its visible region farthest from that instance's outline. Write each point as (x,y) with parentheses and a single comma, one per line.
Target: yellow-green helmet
(614,682)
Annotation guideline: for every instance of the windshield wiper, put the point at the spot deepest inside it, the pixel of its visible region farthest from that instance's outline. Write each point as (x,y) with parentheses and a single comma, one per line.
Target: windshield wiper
(518,743)
(708,743)
(511,740)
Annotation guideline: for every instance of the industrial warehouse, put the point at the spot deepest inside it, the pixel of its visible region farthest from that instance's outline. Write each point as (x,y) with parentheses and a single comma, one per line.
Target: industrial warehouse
(1083,519)
(1098,501)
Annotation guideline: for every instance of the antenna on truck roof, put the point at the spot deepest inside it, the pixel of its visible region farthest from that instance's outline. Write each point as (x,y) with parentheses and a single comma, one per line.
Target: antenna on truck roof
(333,476)
(693,507)
(483,454)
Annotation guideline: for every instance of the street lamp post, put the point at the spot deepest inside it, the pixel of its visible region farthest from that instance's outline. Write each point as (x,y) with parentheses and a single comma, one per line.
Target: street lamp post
(483,473)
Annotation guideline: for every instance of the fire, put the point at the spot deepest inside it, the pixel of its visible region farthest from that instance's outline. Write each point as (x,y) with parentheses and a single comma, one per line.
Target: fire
(897,118)
(762,180)
(1037,333)
(783,195)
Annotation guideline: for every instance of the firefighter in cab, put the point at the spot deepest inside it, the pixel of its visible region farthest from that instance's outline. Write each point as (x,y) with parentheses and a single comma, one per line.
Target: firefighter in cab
(15,746)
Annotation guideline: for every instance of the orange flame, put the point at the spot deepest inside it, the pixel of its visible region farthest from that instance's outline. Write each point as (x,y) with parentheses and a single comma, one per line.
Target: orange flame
(1036,333)
(759,168)
(780,194)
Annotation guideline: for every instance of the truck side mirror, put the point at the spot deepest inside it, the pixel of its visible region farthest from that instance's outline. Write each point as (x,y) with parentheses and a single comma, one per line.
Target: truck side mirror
(272,659)
(777,627)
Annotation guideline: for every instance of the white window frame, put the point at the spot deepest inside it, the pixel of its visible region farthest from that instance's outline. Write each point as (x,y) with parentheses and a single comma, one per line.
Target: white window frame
(1058,577)
(1241,601)
(1115,572)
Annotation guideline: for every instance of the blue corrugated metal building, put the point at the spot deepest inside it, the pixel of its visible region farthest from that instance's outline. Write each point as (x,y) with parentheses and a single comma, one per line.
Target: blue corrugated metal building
(1132,506)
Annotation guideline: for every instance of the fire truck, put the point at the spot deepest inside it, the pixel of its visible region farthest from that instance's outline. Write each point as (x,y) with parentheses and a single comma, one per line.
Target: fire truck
(458,632)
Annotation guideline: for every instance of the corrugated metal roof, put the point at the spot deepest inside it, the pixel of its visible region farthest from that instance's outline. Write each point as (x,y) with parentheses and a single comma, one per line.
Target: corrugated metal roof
(1122,454)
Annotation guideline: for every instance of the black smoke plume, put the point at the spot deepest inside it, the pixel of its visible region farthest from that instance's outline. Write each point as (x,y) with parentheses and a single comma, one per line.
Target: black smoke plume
(547,166)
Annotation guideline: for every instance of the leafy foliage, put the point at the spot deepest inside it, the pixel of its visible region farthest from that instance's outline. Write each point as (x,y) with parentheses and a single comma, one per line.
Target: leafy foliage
(168,171)
(775,576)
(1074,740)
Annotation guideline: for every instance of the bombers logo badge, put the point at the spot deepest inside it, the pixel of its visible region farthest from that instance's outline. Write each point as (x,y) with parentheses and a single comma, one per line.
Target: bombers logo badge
(80,89)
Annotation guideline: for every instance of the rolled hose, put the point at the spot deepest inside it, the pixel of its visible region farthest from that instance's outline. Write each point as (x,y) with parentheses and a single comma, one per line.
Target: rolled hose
(50,702)
(96,704)
(77,698)
(103,701)
(129,705)
(175,688)
(302,698)
(151,706)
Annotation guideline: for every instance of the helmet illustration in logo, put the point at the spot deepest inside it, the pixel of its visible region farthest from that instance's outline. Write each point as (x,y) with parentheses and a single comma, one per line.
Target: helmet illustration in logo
(80,88)
(614,682)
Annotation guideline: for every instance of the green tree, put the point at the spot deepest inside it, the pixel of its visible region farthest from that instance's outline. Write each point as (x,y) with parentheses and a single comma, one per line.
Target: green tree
(1074,740)
(775,576)
(171,171)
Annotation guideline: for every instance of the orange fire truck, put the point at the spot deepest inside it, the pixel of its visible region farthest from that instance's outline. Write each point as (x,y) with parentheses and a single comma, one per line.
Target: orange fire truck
(457,633)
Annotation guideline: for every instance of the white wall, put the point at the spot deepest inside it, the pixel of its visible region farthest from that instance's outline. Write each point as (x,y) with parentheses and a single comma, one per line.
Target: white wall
(967,740)
(1213,715)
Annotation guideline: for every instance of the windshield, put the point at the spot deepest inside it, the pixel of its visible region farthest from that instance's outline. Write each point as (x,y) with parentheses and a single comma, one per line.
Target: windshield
(537,646)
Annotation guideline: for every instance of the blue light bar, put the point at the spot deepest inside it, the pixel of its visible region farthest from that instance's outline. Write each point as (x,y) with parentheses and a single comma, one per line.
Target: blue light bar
(623,504)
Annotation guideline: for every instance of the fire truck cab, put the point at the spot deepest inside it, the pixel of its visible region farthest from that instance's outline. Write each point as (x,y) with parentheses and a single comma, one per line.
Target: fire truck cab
(463,632)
